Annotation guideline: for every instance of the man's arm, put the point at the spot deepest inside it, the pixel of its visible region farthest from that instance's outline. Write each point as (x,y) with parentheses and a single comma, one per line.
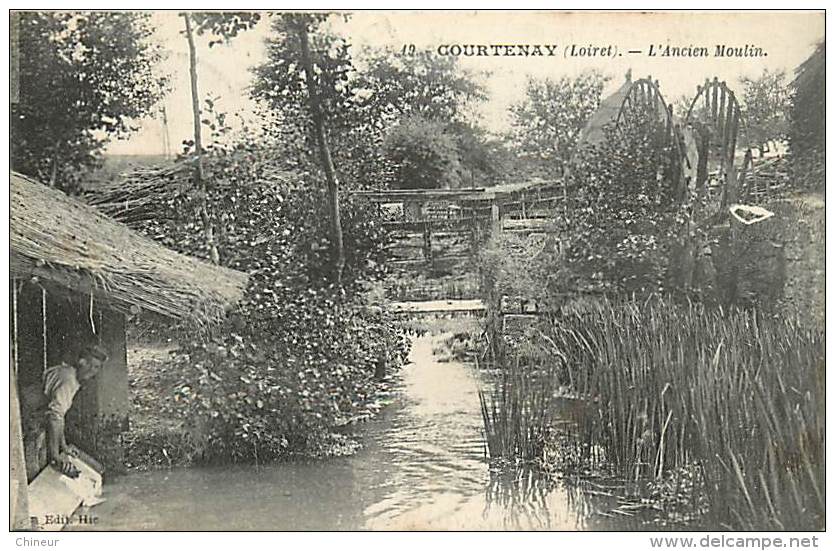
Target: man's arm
(55,437)
(60,402)
(57,445)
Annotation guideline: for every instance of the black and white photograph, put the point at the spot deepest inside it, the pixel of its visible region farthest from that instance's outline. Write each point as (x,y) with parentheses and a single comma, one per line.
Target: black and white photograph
(381,270)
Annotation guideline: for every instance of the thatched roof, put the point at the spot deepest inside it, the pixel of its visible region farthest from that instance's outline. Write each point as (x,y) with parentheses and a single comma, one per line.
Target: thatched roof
(68,244)
(813,67)
(607,112)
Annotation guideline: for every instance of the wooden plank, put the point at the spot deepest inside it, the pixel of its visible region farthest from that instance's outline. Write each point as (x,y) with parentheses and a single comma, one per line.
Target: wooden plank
(525,223)
(463,194)
(437,306)
(713,102)
(708,108)
(417,236)
(19,501)
(417,226)
(437,259)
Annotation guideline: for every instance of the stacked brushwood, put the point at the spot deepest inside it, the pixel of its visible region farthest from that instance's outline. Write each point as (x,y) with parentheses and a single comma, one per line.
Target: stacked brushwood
(769,178)
(143,195)
(136,196)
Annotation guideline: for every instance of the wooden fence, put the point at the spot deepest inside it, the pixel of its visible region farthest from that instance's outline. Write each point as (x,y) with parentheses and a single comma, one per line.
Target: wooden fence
(443,228)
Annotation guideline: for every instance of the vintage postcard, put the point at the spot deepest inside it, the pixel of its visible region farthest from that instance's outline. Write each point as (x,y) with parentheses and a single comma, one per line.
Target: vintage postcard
(418,270)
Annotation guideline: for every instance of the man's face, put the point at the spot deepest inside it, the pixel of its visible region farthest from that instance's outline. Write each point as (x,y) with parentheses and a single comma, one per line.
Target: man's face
(88,367)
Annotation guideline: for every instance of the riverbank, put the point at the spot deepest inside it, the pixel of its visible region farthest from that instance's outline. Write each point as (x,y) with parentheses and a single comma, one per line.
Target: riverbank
(161,434)
(424,449)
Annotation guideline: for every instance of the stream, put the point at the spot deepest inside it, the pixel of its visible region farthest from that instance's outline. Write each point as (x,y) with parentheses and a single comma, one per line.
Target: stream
(422,467)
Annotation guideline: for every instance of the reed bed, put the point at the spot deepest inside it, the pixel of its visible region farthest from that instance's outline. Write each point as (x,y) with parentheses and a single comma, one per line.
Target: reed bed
(517,414)
(736,395)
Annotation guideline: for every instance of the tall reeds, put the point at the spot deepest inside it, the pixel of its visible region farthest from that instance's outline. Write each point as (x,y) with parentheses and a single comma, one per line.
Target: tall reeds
(738,395)
(516,413)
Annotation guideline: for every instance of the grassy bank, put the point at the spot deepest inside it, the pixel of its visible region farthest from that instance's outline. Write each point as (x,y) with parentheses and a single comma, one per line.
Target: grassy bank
(734,396)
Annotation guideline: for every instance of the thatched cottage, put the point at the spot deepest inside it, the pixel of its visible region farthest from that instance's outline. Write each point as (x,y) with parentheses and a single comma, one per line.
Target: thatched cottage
(75,275)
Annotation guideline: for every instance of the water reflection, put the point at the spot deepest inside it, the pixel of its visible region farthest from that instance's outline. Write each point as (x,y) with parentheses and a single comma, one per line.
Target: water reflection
(520,499)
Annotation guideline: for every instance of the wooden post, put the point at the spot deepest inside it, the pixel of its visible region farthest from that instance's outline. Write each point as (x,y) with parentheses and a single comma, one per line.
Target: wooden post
(473,235)
(746,164)
(564,196)
(714,105)
(729,147)
(427,243)
(15,353)
(18,486)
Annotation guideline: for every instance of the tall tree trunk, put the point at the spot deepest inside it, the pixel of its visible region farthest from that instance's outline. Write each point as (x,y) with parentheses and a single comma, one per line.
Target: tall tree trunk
(324,153)
(199,179)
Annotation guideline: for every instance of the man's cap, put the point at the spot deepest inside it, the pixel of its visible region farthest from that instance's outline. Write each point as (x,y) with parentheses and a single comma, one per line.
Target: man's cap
(95,351)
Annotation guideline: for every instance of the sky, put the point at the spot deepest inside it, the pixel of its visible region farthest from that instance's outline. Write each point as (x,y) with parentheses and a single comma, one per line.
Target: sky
(224,71)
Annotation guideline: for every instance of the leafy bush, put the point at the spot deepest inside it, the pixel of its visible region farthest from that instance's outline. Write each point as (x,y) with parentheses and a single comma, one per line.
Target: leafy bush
(425,156)
(617,235)
(280,383)
(298,356)
(624,217)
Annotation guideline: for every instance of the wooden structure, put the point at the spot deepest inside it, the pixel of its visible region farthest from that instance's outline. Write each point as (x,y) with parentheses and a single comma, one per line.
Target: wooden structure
(711,171)
(436,227)
(705,145)
(643,103)
(75,277)
(716,117)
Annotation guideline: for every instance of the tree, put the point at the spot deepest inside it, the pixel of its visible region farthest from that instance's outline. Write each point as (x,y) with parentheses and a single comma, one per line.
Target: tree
(397,85)
(304,79)
(85,78)
(322,145)
(485,161)
(362,98)
(226,26)
(424,155)
(408,92)
(808,105)
(281,85)
(547,123)
(766,103)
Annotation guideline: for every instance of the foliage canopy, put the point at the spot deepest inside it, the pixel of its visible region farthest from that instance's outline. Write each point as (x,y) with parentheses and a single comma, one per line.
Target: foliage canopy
(85,78)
